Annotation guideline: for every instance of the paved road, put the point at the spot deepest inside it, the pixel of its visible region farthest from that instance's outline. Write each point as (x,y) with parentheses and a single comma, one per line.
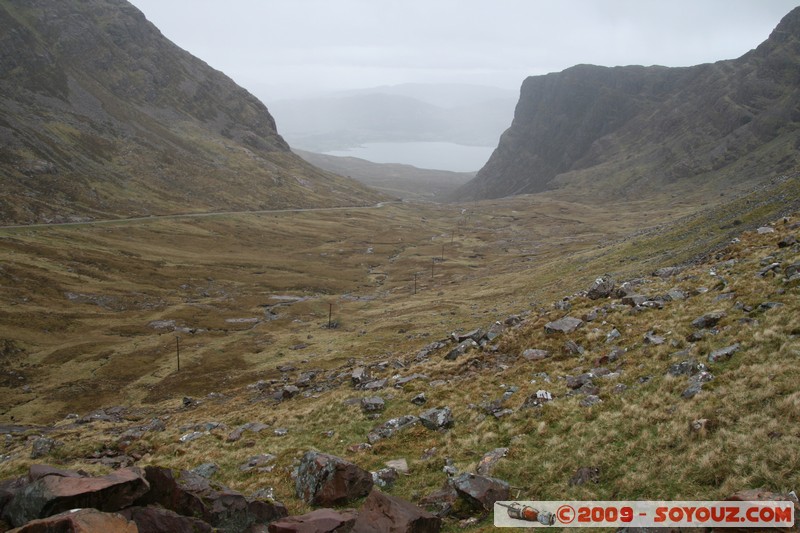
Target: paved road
(195,215)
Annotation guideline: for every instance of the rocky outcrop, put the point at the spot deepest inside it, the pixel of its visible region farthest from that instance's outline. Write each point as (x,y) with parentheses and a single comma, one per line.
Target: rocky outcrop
(324,479)
(317,521)
(622,131)
(384,513)
(83,521)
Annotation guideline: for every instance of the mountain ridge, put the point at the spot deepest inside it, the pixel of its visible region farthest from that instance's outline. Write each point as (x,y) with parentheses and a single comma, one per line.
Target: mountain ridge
(103,116)
(612,129)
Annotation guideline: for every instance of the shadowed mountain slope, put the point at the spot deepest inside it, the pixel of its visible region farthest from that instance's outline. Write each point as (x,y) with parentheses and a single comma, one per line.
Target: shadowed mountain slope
(102,116)
(634,130)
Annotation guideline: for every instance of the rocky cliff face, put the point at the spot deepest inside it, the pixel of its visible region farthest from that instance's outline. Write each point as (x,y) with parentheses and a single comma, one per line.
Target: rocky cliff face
(103,116)
(633,129)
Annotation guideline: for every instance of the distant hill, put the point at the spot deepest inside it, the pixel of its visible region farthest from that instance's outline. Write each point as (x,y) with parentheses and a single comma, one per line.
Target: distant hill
(628,131)
(462,114)
(102,116)
(402,181)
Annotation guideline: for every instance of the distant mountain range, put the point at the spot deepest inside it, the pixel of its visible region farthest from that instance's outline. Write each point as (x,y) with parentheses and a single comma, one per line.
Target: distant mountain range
(628,131)
(461,114)
(101,116)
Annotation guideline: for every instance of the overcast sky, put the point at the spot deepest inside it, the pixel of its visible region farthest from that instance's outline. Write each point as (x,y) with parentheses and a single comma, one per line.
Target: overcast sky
(285,48)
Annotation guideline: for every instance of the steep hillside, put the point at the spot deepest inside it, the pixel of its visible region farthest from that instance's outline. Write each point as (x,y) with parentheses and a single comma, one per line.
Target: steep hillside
(631,130)
(101,116)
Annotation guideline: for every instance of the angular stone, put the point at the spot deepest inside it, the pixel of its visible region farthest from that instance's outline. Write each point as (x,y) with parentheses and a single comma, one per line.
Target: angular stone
(195,496)
(709,320)
(490,460)
(564,325)
(258,462)
(318,521)
(481,491)
(390,427)
(634,299)
(787,241)
(533,354)
(324,479)
(81,521)
(461,349)
(601,288)
(401,465)
(384,513)
(692,391)
(419,399)
(376,384)
(576,382)
(359,376)
(723,353)
(159,520)
(677,294)
(590,400)
(52,494)
(792,270)
(685,368)
(372,404)
(207,470)
(437,418)
(667,272)
(255,427)
(408,379)
(585,474)
(655,340)
(763,230)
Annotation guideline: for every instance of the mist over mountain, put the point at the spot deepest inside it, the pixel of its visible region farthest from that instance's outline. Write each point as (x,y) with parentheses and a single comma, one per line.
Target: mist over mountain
(629,130)
(102,116)
(461,114)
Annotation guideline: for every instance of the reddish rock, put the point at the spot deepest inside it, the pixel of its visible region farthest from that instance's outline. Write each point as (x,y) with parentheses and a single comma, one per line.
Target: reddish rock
(195,496)
(441,502)
(481,491)
(318,521)
(80,521)
(160,520)
(324,480)
(382,513)
(54,493)
(763,495)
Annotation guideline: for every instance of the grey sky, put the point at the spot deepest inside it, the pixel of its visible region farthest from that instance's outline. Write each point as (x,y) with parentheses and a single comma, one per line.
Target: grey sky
(284,48)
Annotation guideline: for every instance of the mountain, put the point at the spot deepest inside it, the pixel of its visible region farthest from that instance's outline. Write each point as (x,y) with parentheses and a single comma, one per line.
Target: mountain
(102,116)
(472,115)
(628,130)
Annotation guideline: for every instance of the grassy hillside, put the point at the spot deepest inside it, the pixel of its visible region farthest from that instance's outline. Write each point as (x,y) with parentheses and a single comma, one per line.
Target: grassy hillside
(92,312)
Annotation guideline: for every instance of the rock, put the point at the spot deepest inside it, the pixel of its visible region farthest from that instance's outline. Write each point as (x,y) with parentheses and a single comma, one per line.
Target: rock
(43,446)
(408,379)
(692,391)
(490,460)
(602,287)
(194,435)
(390,427)
(677,294)
(384,513)
(685,368)
(476,335)
(577,382)
(81,521)
(441,502)
(564,325)
(763,230)
(259,462)
(53,493)
(372,404)
(702,426)
(481,491)
(401,465)
(375,385)
(437,418)
(255,427)
(787,241)
(667,272)
(585,474)
(537,399)
(708,320)
(792,270)
(461,349)
(723,353)
(613,335)
(766,306)
(532,354)
(634,300)
(318,521)
(655,340)
(159,520)
(324,479)
(206,470)
(419,399)
(573,348)
(191,495)
(385,477)
(563,305)
(359,376)
(764,495)
(590,400)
